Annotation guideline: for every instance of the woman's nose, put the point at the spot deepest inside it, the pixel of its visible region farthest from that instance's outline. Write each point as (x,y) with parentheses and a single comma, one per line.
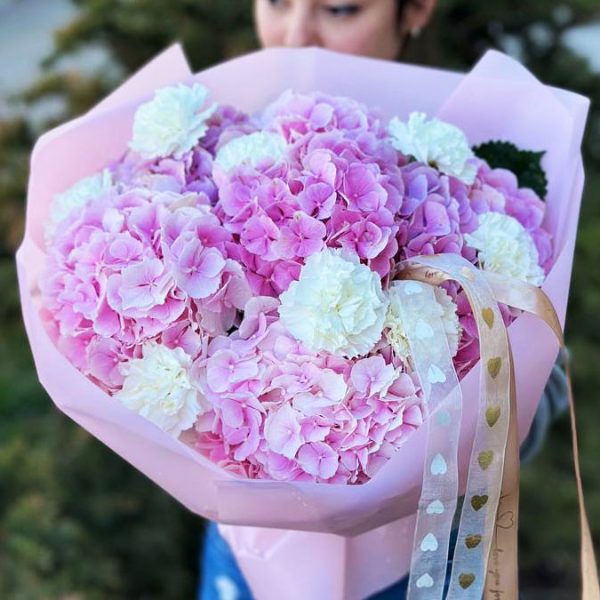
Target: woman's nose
(301,30)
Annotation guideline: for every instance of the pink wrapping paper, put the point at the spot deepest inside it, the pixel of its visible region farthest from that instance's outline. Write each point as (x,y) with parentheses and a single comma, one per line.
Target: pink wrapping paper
(364,532)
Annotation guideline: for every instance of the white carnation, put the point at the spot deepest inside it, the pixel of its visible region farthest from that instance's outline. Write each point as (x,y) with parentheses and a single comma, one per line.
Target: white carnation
(450,319)
(158,387)
(504,246)
(251,149)
(443,307)
(337,305)
(172,122)
(88,188)
(434,142)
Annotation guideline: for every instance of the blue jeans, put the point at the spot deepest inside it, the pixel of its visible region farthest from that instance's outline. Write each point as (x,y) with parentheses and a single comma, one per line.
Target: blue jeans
(223,580)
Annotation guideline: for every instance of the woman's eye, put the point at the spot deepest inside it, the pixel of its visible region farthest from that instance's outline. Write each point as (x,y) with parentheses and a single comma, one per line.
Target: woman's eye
(276,3)
(343,10)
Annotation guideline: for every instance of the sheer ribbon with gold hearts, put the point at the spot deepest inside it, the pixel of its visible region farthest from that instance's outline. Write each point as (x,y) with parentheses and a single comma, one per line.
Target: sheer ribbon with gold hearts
(486,554)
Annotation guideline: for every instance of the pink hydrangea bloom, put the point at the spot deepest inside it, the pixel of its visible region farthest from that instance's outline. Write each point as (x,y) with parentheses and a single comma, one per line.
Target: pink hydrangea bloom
(312,409)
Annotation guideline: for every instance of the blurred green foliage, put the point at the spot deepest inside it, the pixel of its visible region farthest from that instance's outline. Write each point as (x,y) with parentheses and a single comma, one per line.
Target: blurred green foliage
(78,522)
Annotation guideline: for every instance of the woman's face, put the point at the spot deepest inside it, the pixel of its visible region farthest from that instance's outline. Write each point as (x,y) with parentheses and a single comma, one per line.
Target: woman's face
(365,27)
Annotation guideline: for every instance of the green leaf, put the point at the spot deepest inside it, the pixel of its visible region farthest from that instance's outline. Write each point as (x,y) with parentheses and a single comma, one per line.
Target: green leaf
(525,164)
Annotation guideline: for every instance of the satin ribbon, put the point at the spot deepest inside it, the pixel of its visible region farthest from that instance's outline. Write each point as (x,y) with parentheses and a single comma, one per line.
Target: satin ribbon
(486,555)
(531,299)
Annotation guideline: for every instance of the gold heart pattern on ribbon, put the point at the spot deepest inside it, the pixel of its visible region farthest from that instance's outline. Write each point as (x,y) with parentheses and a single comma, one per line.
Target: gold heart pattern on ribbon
(492,414)
(466,579)
(477,502)
(488,317)
(472,541)
(485,470)
(486,562)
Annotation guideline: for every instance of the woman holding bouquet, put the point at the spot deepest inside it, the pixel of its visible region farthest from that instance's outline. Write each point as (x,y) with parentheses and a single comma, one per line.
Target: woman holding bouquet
(378,29)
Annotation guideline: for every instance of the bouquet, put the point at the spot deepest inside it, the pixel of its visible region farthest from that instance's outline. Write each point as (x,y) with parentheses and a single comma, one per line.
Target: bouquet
(276,305)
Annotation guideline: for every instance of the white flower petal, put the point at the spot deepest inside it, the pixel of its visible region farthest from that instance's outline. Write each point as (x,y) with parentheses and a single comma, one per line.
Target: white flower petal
(337,305)
(172,122)
(251,149)
(442,308)
(159,388)
(86,189)
(434,142)
(504,246)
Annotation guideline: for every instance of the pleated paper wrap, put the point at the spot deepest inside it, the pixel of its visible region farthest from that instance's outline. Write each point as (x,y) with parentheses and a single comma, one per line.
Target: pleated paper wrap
(302,540)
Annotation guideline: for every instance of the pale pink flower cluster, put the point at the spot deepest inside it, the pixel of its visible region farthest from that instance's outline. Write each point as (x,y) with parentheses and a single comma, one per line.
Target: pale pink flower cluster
(139,265)
(284,413)
(340,185)
(179,253)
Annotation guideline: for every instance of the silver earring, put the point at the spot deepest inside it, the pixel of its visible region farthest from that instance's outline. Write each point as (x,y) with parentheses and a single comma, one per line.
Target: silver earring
(415,32)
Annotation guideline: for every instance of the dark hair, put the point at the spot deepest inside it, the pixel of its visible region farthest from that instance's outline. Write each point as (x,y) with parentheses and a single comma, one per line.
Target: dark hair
(401,7)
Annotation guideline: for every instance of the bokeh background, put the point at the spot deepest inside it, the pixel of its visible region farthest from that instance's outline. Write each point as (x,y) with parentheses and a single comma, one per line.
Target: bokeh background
(76,521)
